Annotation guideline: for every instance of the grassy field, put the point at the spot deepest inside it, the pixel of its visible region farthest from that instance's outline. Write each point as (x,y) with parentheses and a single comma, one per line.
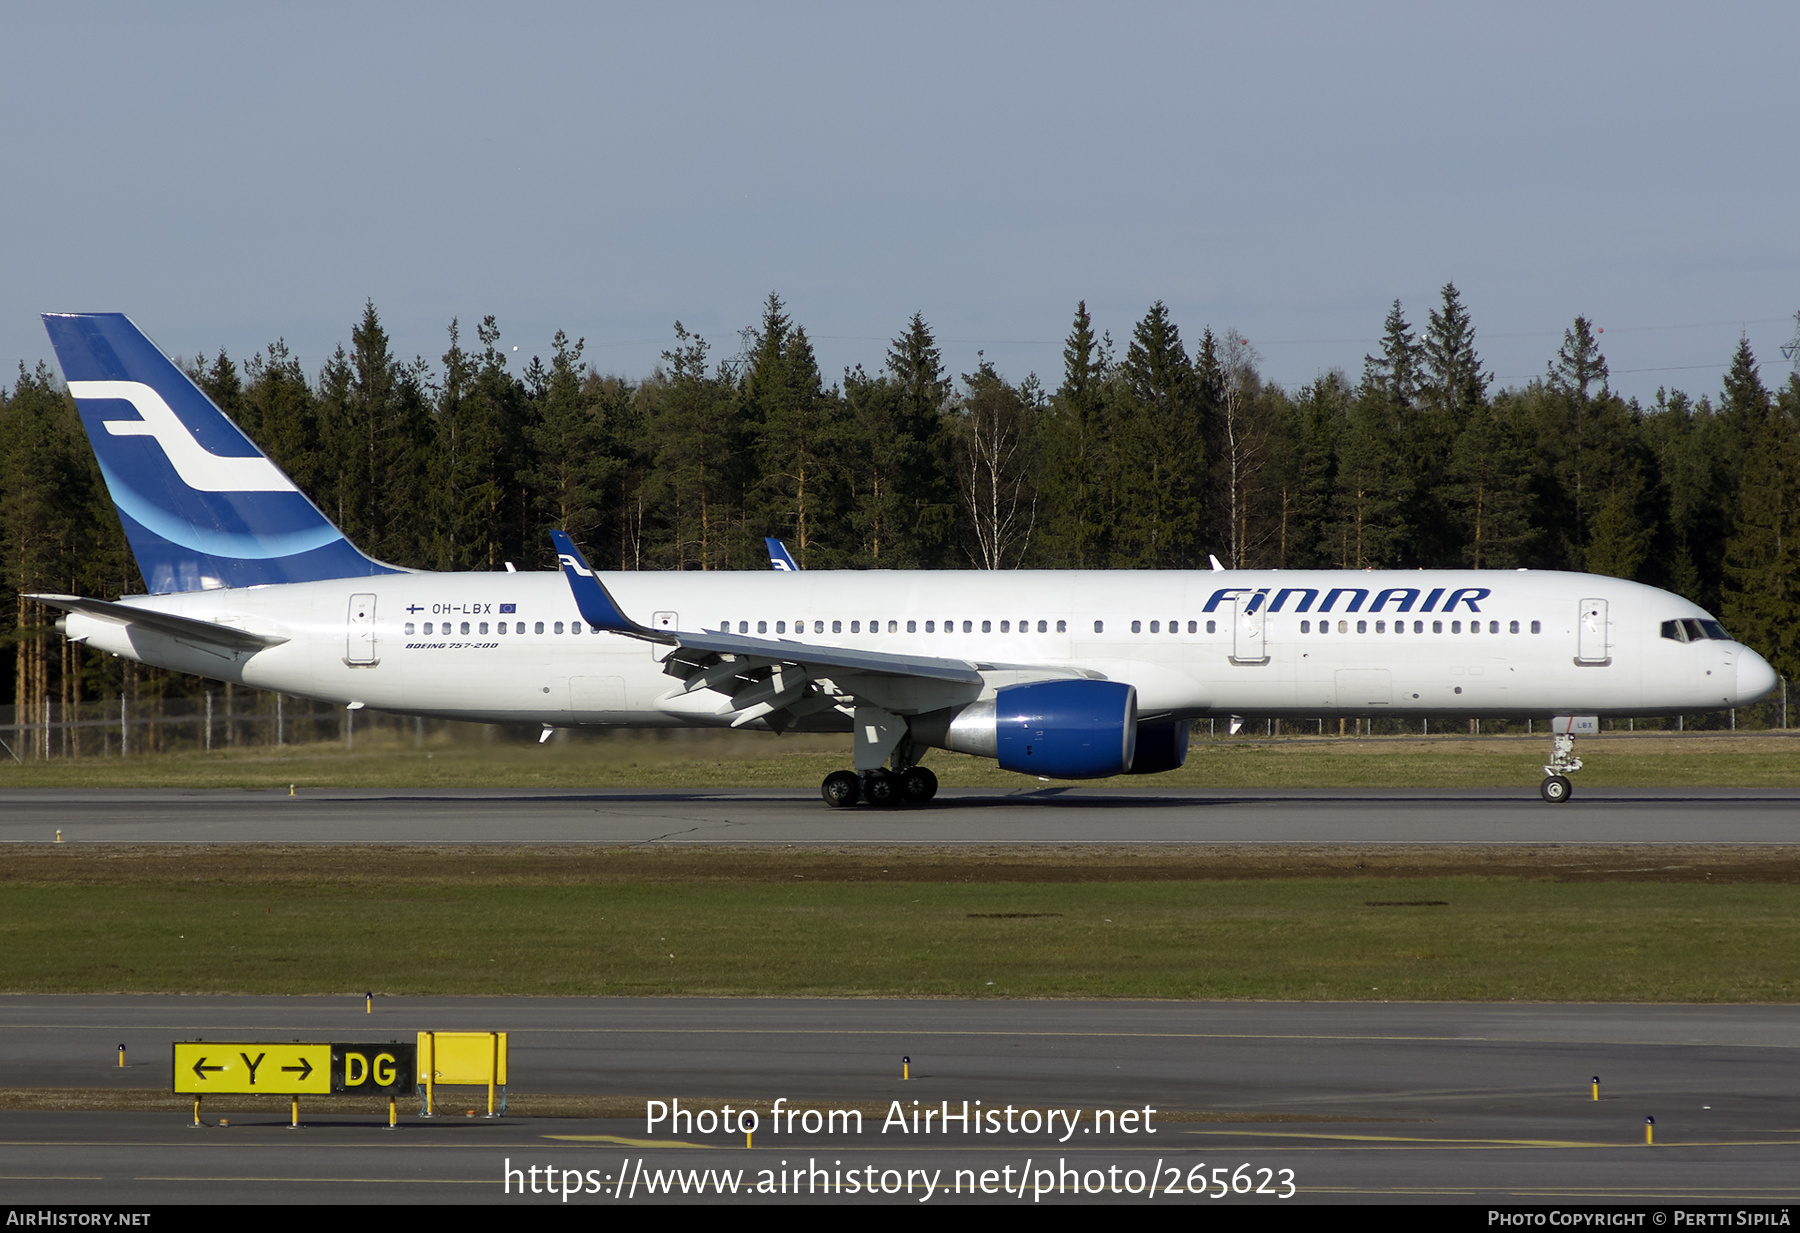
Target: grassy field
(1701,925)
(738,760)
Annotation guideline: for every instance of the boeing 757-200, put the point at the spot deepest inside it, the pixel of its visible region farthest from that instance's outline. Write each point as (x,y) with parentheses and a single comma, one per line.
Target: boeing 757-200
(1057,674)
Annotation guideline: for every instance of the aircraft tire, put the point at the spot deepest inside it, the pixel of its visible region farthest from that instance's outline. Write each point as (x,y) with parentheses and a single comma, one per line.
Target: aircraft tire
(1555,789)
(918,785)
(840,789)
(881,790)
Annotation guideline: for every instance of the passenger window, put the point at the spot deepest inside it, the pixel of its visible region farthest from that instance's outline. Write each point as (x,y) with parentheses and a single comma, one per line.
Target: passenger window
(1456,627)
(409,628)
(1155,627)
(837,627)
(1305,627)
(968,627)
(1513,628)
(1099,627)
(931,627)
(1005,626)
(559,626)
(484,626)
(1343,627)
(1437,627)
(1362,627)
(1193,627)
(465,627)
(781,627)
(762,627)
(856,627)
(1324,627)
(1536,627)
(574,627)
(1212,627)
(912,627)
(1043,627)
(1418,627)
(1062,627)
(987,627)
(818,627)
(520,628)
(1137,627)
(1493,627)
(1380,627)
(743,627)
(894,627)
(540,627)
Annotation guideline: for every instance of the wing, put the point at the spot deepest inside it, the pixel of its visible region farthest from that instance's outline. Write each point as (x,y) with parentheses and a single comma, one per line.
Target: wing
(779,680)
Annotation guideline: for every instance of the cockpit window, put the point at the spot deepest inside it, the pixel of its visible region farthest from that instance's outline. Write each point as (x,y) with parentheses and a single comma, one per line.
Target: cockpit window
(1690,630)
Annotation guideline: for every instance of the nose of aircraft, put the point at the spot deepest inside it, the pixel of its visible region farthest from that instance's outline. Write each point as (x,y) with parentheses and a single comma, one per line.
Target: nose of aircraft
(1755,679)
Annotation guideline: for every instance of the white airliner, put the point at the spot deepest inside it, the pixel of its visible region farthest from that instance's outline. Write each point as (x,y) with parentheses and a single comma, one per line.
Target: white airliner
(1057,674)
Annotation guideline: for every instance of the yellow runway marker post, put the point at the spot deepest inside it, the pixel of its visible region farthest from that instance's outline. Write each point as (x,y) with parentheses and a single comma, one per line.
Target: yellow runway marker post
(1649,1131)
(1596,1087)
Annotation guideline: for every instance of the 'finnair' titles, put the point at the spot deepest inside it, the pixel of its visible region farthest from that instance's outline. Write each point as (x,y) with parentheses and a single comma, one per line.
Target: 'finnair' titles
(1056,674)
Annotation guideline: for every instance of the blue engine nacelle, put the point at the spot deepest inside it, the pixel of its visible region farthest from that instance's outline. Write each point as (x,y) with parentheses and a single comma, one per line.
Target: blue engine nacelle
(1066,729)
(1161,746)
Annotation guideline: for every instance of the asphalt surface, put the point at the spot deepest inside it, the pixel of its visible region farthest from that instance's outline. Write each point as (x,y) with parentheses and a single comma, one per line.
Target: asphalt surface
(1361,1102)
(1053,816)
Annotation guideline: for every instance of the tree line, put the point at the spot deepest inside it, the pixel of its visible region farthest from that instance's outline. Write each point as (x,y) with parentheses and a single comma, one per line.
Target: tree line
(1153,454)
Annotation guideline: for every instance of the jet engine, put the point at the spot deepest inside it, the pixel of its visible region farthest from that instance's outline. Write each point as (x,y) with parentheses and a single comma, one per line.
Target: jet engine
(1079,729)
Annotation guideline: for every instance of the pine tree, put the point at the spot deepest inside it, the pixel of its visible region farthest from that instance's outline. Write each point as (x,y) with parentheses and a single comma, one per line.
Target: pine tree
(1073,530)
(1396,373)
(1453,383)
(797,429)
(1160,446)
(1488,491)
(1762,558)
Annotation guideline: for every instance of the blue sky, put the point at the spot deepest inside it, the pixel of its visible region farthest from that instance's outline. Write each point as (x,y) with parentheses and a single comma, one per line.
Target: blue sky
(228,174)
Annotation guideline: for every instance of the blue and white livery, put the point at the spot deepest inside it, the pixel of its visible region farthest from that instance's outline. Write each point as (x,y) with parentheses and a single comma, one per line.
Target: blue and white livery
(1057,674)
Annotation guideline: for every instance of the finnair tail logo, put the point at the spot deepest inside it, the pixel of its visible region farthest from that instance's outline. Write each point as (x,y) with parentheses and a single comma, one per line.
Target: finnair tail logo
(198,467)
(569,562)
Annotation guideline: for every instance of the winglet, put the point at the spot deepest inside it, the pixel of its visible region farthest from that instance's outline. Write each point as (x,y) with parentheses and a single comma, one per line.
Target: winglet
(1214,561)
(597,607)
(780,559)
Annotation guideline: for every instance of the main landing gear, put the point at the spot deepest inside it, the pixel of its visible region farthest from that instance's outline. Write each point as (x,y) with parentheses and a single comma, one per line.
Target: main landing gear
(1556,787)
(883,789)
(881,737)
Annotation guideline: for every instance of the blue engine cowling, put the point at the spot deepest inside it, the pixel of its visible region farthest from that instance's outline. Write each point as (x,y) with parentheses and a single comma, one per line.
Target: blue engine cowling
(1066,729)
(1161,746)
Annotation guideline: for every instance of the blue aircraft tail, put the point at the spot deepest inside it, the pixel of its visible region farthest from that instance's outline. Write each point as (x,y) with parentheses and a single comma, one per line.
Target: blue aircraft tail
(202,506)
(780,559)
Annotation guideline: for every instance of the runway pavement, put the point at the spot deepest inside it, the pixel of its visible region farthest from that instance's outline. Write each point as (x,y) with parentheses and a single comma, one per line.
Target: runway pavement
(1054,816)
(1362,1102)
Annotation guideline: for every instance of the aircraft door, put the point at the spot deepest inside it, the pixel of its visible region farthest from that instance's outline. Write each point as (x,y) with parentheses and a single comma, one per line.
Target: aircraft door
(1591,633)
(359,648)
(1248,618)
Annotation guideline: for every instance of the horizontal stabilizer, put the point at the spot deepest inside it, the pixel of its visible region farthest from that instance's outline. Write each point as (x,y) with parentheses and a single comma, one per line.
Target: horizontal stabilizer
(186,628)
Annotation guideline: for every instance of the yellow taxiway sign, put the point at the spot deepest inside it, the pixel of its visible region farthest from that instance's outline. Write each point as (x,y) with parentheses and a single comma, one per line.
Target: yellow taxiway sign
(204,1068)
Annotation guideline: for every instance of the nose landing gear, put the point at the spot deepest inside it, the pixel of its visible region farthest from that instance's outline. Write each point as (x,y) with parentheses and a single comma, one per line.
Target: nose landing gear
(1556,787)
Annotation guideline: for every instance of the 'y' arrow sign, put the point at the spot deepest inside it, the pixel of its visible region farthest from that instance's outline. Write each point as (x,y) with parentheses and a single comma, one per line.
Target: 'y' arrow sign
(200,1069)
(305,1068)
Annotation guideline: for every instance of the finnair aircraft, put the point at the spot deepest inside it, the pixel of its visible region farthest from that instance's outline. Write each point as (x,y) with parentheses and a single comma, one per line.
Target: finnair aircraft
(1057,674)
